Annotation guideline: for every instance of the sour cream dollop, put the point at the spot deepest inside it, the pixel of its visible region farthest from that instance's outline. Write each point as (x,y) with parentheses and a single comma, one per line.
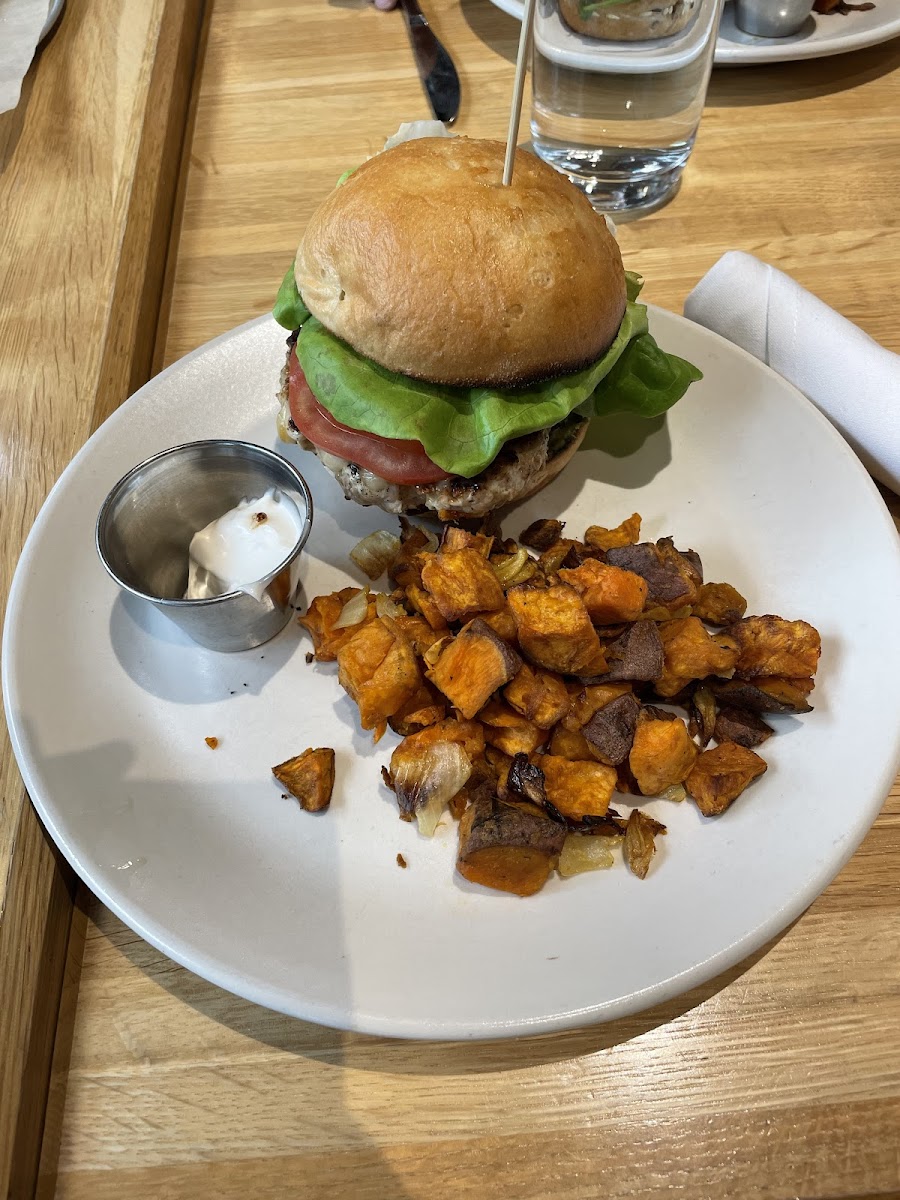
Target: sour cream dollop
(239,550)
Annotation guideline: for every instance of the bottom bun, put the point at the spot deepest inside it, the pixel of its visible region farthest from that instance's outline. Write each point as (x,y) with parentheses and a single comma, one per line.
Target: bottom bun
(523,466)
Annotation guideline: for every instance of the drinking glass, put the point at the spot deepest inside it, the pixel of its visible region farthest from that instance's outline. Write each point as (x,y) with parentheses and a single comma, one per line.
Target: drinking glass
(619,115)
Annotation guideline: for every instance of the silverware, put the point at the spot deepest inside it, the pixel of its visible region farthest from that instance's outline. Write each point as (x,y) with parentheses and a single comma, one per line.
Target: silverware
(435,66)
(145,527)
(771,18)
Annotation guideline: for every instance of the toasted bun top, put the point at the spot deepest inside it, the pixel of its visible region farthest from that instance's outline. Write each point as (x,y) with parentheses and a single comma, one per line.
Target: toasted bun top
(426,264)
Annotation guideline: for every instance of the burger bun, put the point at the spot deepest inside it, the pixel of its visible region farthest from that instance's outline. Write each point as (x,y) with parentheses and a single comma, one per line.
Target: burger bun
(426,264)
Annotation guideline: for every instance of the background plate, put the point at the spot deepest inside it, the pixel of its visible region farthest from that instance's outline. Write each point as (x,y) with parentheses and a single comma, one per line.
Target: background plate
(108,706)
(820,37)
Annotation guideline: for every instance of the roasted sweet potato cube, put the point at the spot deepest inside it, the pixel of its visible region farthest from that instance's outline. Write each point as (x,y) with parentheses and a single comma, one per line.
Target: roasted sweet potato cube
(719,604)
(772,646)
(691,652)
(555,631)
(625,534)
(396,679)
(361,656)
(469,734)
(674,577)
(537,695)
(790,693)
(473,666)
(506,846)
(320,619)
(309,777)
(626,784)
(502,622)
(640,845)
(610,731)
(778,695)
(377,667)
(720,775)
(636,655)
(425,708)
(414,544)
(457,538)
(579,554)
(420,600)
(565,743)
(458,804)
(462,583)
(541,535)
(610,594)
(509,731)
(577,789)
(744,728)
(419,632)
(589,698)
(596,666)
(407,566)
(662,753)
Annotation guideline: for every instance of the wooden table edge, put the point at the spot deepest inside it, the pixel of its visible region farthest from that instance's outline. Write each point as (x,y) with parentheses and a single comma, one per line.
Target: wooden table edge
(37,917)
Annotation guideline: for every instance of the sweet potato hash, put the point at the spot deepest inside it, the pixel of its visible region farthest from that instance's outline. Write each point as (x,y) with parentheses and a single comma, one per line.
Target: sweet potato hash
(529,680)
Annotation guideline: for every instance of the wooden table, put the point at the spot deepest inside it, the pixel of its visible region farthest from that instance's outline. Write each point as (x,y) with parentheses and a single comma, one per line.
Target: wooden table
(781,1078)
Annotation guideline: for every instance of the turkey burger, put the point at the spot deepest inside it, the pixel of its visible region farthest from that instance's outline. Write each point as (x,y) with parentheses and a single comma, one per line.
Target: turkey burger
(451,337)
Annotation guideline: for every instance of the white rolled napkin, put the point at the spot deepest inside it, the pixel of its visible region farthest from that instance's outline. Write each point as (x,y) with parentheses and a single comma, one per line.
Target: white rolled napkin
(21,25)
(848,376)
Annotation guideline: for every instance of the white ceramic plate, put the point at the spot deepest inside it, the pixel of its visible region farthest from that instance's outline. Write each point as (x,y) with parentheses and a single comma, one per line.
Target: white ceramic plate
(109,705)
(820,37)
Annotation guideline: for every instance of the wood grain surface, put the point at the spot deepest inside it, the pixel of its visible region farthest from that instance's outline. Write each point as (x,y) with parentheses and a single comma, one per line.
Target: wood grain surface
(88,165)
(780,1079)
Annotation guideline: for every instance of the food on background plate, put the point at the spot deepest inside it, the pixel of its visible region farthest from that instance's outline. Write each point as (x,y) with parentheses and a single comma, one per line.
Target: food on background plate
(309,778)
(841,6)
(451,338)
(239,550)
(627,20)
(527,690)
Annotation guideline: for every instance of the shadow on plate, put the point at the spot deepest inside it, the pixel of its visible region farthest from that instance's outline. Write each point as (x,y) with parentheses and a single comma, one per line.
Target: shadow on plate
(785,83)
(621,450)
(163,661)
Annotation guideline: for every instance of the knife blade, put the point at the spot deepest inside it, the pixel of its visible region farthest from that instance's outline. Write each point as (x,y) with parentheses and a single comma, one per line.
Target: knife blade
(434,64)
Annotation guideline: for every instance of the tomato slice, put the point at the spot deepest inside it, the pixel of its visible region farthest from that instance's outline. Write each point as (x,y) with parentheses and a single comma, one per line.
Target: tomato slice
(398,460)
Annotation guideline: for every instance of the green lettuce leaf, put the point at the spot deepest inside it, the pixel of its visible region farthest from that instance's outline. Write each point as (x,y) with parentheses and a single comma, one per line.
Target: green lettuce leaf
(289,310)
(463,429)
(645,380)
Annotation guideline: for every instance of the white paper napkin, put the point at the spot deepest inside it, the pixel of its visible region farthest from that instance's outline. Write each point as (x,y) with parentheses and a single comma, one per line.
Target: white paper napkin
(848,376)
(21,22)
